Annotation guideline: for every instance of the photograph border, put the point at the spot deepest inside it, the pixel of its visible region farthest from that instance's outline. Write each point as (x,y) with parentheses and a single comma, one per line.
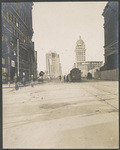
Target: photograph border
(1,96)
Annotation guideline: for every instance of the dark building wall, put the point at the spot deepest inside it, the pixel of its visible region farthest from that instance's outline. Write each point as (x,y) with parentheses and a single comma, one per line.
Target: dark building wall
(111,32)
(17,26)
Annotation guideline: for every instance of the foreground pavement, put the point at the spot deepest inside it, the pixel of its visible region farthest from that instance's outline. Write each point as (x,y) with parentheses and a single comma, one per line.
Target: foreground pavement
(61,115)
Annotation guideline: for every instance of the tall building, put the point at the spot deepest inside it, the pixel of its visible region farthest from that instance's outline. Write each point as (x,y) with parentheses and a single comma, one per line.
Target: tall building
(53,66)
(18,54)
(80,51)
(81,63)
(111,34)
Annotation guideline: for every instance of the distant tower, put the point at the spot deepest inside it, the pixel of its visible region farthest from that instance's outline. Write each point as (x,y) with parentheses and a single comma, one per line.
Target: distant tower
(80,51)
(53,66)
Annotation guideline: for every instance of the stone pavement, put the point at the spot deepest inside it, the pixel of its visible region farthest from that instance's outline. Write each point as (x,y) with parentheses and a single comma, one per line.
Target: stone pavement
(61,115)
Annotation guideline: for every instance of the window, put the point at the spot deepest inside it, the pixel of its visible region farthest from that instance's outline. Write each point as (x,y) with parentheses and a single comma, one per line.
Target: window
(12,63)
(17,24)
(3,60)
(5,8)
(4,70)
(2,35)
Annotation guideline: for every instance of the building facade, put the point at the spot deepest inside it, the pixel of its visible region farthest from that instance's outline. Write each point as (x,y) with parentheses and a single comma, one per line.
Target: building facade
(53,66)
(87,66)
(18,54)
(81,63)
(111,35)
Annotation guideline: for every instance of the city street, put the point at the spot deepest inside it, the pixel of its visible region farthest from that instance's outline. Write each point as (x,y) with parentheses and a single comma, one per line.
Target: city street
(61,115)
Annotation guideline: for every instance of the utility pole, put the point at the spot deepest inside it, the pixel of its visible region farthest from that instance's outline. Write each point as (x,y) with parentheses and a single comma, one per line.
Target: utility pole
(18,57)
(9,63)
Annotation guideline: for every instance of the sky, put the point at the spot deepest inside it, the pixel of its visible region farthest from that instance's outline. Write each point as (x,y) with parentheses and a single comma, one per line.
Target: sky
(58,25)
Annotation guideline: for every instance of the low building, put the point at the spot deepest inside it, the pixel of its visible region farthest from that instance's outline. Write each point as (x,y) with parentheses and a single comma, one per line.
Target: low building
(86,66)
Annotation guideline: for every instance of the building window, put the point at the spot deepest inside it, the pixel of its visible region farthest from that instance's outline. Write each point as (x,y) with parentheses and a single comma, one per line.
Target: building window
(17,24)
(2,35)
(3,60)
(15,21)
(5,8)
(12,63)
(4,70)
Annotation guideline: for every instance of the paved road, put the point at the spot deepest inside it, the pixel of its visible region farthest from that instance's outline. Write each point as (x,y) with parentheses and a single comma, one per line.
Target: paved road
(61,115)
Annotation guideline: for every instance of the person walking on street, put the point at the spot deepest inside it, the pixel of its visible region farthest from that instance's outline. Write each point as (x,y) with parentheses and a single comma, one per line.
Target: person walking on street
(67,78)
(64,78)
(60,78)
(32,84)
(9,83)
(24,80)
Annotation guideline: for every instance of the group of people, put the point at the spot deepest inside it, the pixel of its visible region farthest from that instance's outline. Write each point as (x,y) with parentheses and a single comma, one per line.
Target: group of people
(23,81)
(89,77)
(65,78)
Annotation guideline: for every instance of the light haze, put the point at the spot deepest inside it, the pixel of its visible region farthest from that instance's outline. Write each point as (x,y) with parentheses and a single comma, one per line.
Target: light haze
(58,25)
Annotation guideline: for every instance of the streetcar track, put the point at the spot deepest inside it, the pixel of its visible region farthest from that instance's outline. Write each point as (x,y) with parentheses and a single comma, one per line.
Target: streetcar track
(100,99)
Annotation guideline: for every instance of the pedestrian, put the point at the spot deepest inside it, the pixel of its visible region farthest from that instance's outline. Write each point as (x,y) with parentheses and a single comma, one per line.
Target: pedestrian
(67,78)
(16,86)
(32,84)
(9,83)
(60,78)
(23,80)
(64,78)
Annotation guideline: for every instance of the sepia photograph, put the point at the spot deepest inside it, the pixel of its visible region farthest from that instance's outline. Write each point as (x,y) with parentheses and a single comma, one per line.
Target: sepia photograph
(60,75)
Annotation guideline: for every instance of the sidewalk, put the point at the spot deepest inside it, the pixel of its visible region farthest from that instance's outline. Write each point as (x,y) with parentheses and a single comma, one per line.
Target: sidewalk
(12,85)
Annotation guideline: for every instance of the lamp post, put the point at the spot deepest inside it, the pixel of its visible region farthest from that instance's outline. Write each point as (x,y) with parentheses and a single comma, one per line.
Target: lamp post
(18,58)
(16,85)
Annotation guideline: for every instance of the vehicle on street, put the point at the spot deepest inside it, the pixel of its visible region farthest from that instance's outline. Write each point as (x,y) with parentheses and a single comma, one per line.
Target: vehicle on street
(74,75)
